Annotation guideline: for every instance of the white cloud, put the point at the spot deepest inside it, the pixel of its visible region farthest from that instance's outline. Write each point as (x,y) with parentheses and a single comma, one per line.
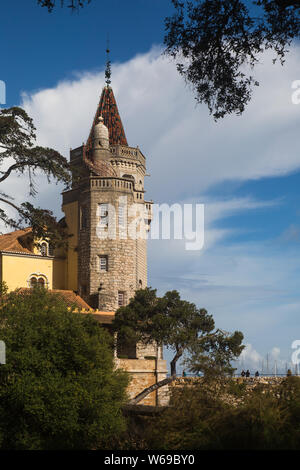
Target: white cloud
(187,152)
(250,358)
(269,364)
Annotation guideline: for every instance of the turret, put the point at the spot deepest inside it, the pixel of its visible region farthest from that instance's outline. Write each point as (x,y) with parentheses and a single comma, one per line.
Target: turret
(100,140)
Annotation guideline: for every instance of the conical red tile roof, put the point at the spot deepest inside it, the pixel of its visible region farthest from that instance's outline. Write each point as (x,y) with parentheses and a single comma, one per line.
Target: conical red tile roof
(108,109)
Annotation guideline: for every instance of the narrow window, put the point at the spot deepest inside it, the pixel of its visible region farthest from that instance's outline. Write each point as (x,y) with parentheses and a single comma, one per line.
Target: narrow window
(41,282)
(50,250)
(121,298)
(121,216)
(83,218)
(103,264)
(43,249)
(33,282)
(103,215)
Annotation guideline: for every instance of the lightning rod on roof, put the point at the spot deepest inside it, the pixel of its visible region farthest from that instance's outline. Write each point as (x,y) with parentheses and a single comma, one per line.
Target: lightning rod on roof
(108,65)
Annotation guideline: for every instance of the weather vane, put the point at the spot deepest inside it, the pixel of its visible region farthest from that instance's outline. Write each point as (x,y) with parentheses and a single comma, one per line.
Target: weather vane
(108,65)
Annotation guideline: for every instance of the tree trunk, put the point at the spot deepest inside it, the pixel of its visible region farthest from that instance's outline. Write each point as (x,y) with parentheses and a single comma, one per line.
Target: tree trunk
(151,389)
(177,356)
(161,383)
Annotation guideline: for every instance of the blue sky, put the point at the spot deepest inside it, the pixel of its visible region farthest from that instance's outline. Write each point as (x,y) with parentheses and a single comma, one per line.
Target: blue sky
(44,48)
(244,169)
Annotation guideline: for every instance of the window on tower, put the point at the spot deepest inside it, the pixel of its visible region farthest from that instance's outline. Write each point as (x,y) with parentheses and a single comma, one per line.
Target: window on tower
(103,263)
(121,216)
(121,298)
(83,218)
(103,212)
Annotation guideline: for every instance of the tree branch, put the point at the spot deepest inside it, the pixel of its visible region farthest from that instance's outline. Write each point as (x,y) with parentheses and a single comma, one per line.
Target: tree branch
(10,169)
(12,205)
(151,389)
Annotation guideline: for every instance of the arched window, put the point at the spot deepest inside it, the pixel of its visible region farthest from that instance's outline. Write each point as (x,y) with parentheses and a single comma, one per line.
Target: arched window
(43,249)
(130,177)
(33,281)
(41,282)
(38,280)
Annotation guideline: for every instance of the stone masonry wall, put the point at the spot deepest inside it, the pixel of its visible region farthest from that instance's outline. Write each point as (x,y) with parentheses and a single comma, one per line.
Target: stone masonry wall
(145,372)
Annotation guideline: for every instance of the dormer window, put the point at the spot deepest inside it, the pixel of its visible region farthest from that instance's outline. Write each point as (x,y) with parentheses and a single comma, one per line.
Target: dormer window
(44,249)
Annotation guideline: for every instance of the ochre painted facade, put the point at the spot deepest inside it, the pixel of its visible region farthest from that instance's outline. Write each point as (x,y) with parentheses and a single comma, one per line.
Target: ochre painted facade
(104,263)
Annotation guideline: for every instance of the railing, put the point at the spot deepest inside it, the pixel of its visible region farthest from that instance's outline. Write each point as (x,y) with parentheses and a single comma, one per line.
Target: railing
(111,182)
(251,376)
(127,152)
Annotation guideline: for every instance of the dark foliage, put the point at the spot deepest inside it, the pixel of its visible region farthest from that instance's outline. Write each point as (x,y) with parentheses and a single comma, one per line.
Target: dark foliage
(72,4)
(223,417)
(19,155)
(182,327)
(216,43)
(58,388)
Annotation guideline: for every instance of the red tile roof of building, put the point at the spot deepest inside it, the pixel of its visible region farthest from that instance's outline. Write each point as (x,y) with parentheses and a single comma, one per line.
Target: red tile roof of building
(14,241)
(69,296)
(72,298)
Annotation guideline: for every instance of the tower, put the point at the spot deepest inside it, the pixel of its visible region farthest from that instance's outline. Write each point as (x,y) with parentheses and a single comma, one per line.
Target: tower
(106,213)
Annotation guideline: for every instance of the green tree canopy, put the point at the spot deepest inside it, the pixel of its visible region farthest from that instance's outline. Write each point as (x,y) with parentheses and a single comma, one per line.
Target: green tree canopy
(215,41)
(20,155)
(58,388)
(230,415)
(182,327)
(72,4)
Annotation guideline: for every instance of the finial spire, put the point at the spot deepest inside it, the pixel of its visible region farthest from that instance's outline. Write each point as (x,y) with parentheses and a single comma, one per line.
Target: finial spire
(108,65)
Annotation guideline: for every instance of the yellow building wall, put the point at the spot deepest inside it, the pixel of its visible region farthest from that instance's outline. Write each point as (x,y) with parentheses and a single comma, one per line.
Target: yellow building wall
(59,273)
(17,270)
(71,213)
